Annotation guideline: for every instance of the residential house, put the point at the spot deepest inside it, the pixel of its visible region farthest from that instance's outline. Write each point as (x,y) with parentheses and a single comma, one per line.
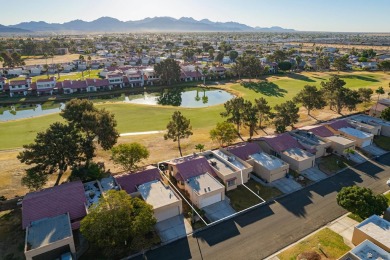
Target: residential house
(377,108)
(343,128)
(147,184)
(49,238)
(51,202)
(35,71)
(368,128)
(383,125)
(266,166)
(312,142)
(365,251)
(374,229)
(74,86)
(195,175)
(17,87)
(287,148)
(44,86)
(230,169)
(339,144)
(219,71)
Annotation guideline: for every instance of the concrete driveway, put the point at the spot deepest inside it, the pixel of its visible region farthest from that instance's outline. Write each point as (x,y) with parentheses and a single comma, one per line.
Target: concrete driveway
(218,210)
(314,174)
(356,157)
(286,185)
(374,150)
(173,228)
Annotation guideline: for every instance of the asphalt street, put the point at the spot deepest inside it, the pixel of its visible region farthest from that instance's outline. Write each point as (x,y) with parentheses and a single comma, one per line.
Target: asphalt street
(269,228)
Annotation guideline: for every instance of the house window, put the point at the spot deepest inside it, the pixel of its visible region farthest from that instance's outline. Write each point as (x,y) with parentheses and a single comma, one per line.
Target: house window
(231,183)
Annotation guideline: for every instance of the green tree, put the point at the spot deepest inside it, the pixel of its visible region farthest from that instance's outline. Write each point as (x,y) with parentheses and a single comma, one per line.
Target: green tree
(168,71)
(7,59)
(129,155)
(337,96)
(233,55)
(310,98)
(93,123)
(263,110)
(284,65)
(224,133)
(248,66)
(53,151)
(278,56)
(365,94)
(250,117)
(199,147)
(122,223)
(385,115)
(384,65)
(361,201)
(178,128)
(219,56)
(323,63)
(34,179)
(234,110)
(340,63)
(380,91)
(286,115)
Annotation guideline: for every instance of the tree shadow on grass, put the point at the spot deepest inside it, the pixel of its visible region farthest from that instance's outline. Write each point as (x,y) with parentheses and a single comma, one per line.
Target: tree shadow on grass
(299,77)
(266,88)
(360,77)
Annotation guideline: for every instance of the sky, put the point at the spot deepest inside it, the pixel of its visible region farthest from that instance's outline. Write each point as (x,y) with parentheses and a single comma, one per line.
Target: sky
(302,15)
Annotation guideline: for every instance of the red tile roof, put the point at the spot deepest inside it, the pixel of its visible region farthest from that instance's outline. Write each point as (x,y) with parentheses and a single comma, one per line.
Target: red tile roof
(74,84)
(320,130)
(282,142)
(191,166)
(130,181)
(339,124)
(98,82)
(51,202)
(46,80)
(18,82)
(243,150)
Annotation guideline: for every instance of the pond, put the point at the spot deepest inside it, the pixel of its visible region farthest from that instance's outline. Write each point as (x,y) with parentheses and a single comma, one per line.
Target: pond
(28,113)
(197,98)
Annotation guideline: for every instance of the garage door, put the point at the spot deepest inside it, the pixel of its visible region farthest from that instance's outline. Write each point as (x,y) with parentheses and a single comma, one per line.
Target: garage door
(210,200)
(366,143)
(279,175)
(167,213)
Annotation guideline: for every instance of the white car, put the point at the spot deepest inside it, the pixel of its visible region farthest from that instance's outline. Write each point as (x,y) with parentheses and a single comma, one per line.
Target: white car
(388,182)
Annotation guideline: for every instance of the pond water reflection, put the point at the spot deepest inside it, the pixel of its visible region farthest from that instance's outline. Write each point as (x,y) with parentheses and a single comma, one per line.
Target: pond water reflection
(199,97)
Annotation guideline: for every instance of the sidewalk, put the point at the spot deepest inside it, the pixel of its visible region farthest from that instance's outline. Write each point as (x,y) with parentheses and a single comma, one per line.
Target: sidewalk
(343,226)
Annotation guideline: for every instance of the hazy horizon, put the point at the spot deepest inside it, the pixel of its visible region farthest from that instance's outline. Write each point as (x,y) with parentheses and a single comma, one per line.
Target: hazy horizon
(302,15)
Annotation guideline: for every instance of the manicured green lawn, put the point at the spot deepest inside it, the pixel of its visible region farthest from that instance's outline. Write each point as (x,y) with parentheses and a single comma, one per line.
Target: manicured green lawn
(332,163)
(264,192)
(241,198)
(94,74)
(355,217)
(383,142)
(134,118)
(329,242)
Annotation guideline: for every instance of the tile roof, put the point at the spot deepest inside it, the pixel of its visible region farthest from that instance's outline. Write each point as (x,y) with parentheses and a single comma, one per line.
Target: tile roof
(339,124)
(130,181)
(282,142)
(319,130)
(51,202)
(74,84)
(243,150)
(18,82)
(192,166)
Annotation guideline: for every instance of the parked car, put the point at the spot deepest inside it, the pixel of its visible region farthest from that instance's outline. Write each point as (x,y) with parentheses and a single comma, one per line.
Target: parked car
(388,182)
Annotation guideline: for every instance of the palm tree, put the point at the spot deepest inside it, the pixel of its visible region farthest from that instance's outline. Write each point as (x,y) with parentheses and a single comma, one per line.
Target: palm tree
(59,69)
(199,147)
(380,91)
(89,65)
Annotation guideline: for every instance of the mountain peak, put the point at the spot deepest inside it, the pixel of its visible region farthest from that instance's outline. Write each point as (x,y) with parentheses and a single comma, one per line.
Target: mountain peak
(158,23)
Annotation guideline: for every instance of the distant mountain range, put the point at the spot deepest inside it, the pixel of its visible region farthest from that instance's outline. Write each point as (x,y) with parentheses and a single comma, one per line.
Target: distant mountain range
(155,24)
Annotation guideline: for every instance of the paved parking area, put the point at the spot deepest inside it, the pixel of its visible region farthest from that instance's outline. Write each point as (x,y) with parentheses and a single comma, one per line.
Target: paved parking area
(218,210)
(374,150)
(173,228)
(314,174)
(286,185)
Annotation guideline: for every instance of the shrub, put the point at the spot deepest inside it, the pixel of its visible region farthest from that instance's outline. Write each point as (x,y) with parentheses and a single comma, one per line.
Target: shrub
(87,173)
